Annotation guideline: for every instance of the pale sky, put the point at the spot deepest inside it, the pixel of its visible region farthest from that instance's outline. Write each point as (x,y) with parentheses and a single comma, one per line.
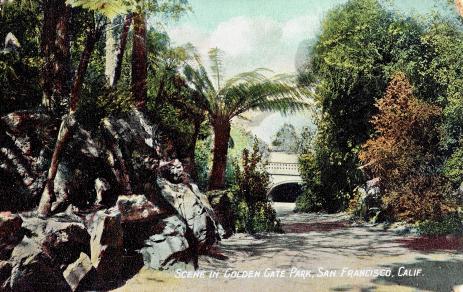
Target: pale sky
(262,34)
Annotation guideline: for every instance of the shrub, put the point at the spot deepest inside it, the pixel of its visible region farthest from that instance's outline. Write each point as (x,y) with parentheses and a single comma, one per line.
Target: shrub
(322,176)
(453,167)
(450,224)
(260,218)
(254,212)
(308,201)
(404,154)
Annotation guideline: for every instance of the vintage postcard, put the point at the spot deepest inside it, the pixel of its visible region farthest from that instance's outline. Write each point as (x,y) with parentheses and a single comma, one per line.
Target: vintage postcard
(231,145)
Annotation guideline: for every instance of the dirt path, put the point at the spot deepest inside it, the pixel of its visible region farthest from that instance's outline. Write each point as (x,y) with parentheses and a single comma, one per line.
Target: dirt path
(333,249)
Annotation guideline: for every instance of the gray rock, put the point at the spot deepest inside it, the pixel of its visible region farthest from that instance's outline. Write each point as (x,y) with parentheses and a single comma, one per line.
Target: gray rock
(106,245)
(194,207)
(35,271)
(169,247)
(49,246)
(137,208)
(369,200)
(102,188)
(77,271)
(172,171)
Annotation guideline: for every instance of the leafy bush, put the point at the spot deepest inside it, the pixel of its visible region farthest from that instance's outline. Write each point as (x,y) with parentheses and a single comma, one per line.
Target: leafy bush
(450,224)
(261,219)
(254,212)
(323,176)
(404,155)
(308,202)
(453,167)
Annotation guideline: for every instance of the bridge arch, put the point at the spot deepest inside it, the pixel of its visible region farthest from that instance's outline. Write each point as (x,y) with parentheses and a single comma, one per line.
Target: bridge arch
(285,178)
(286,191)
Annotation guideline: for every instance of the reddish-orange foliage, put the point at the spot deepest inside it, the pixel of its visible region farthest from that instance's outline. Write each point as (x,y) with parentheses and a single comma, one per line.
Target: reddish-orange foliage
(404,152)
(459,5)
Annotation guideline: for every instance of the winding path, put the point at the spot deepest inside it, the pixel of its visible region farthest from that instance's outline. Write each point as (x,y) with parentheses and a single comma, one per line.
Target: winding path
(326,245)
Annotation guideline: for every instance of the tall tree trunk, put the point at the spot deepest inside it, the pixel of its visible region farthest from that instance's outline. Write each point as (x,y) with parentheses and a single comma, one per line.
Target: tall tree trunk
(191,167)
(121,49)
(48,195)
(47,47)
(56,50)
(110,54)
(139,59)
(221,129)
(68,123)
(93,35)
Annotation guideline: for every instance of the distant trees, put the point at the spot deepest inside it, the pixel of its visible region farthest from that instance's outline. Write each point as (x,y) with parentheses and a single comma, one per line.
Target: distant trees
(285,139)
(403,153)
(223,100)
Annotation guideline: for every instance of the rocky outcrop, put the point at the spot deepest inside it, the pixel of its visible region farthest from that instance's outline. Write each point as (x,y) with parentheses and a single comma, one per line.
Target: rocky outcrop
(48,247)
(121,202)
(170,247)
(194,207)
(368,201)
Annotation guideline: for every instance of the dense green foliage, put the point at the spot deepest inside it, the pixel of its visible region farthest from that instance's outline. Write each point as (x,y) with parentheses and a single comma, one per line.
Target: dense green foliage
(19,70)
(254,212)
(451,224)
(240,139)
(361,46)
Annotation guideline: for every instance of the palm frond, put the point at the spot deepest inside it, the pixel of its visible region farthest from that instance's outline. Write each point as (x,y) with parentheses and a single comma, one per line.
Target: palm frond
(246,91)
(199,88)
(277,94)
(256,75)
(216,58)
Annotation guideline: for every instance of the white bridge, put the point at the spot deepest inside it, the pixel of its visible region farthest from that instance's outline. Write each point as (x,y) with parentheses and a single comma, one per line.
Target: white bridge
(284,170)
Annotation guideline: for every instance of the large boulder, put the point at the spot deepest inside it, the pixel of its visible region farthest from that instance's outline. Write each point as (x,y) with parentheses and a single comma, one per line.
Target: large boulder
(107,243)
(39,260)
(137,208)
(169,248)
(368,204)
(10,233)
(194,207)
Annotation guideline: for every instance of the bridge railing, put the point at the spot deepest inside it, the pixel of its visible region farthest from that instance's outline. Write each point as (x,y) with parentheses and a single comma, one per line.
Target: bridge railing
(274,168)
